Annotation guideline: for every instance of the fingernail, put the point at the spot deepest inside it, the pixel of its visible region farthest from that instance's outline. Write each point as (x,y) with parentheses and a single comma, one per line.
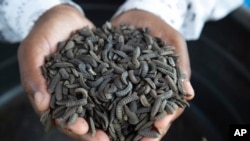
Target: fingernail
(189,89)
(41,101)
(80,127)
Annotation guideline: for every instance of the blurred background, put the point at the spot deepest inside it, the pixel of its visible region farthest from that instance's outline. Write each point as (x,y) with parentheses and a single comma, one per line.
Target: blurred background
(220,63)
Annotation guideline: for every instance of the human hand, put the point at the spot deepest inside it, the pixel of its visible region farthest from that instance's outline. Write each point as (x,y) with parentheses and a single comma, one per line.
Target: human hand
(160,29)
(52,27)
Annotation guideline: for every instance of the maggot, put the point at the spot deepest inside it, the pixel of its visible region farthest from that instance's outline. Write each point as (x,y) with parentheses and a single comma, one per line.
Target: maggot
(171,61)
(156,106)
(95,83)
(44,116)
(82,91)
(148,56)
(70,54)
(146,125)
(180,86)
(122,102)
(152,67)
(76,103)
(64,74)
(97,58)
(92,126)
(117,128)
(110,88)
(141,123)
(124,77)
(101,66)
(156,47)
(88,60)
(58,112)
(70,44)
(159,116)
(144,101)
(151,134)
(93,39)
(104,117)
(150,82)
(58,90)
(120,53)
(166,95)
(53,102)
(132,117)
(53,83)
(75,72)
(124,91)
(169,109)
(133,106)
(171,83)
(69,111)
(48,123)
(143,110)
(148,39)
(162,65)
(144,68)
(62,65)
(90,70)
(82,81)
(71,79)
(132,77)
(86,32)
(134,64)
(136,53)
(72,119)
(117,69)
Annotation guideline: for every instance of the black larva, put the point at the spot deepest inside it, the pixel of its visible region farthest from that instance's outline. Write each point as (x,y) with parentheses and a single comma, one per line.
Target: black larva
(117,78)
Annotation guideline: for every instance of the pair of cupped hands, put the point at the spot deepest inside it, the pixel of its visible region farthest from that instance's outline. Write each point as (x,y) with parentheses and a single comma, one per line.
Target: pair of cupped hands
(56,25)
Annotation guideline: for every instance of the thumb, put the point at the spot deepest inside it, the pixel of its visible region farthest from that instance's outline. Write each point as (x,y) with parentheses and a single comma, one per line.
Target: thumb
(79,127)
(184,65)
(80,131)
(31,59)
(189,89)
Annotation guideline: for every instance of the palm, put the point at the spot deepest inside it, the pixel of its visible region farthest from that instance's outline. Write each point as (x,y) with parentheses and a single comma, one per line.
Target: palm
(54,26)
(158,28)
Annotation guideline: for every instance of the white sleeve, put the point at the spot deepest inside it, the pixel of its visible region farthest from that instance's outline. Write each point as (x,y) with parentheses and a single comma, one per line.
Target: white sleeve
(17,17)
(186,16)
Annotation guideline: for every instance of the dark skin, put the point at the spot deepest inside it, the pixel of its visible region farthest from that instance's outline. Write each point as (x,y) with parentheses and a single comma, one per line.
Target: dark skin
(56,25)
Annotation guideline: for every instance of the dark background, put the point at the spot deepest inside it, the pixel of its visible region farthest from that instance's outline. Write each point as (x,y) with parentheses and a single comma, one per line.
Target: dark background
(220,63)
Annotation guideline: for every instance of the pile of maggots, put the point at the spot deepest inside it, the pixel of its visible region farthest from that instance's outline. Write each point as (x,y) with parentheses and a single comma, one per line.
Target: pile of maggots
(120,79)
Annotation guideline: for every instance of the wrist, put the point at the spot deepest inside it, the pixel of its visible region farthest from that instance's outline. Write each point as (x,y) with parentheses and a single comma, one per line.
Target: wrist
(64,14)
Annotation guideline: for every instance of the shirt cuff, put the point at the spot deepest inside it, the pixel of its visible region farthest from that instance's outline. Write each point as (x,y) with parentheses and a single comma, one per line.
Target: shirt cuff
(22,15)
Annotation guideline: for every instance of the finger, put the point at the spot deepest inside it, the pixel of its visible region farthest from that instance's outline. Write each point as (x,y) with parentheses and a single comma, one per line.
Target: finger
(175,39)
(189,89)
(184,64)
(80,131)
(156,139)
(79,127)
(99,136)
(164,124)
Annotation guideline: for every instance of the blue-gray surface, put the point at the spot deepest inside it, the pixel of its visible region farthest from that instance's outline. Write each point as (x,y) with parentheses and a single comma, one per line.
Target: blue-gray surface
(247,3)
